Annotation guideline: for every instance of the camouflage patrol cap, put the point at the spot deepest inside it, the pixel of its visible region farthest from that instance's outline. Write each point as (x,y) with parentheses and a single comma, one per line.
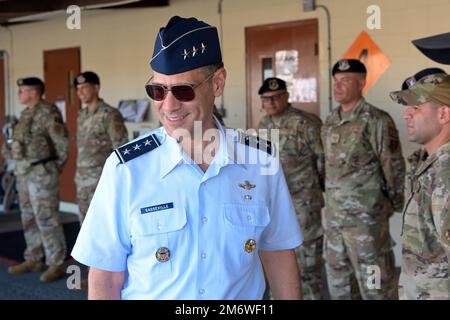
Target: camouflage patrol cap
(272,84)
(349,65)
(31,81)
(433,87)
(86,77)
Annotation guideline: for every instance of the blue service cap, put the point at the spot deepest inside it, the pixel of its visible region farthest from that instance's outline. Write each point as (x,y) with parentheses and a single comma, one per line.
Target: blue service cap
(437,47)
(185,44)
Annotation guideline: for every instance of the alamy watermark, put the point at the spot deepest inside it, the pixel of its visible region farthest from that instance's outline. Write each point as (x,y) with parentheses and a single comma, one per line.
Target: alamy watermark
(374,20)
(374,278)
(73,21)
(73,281)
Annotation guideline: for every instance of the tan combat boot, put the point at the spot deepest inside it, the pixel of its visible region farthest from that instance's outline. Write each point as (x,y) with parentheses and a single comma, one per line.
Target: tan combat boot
(53,273)
(27,266)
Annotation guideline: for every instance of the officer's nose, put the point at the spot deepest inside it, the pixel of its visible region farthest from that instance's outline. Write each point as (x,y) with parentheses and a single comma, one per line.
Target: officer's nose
(170,103)
(408,113)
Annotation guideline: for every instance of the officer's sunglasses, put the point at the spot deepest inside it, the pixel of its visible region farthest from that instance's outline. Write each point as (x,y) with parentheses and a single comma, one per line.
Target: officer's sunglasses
(181,92)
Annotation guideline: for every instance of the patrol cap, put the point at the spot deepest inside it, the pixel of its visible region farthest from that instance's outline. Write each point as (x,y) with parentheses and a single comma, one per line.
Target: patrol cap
(437,47)
(185,44)
(31,81)
(433,87)
(272,84)
(349,65)
(419,75)
(86,77)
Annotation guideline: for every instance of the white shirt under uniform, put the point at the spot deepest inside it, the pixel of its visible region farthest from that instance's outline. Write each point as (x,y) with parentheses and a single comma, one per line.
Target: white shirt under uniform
(180,233)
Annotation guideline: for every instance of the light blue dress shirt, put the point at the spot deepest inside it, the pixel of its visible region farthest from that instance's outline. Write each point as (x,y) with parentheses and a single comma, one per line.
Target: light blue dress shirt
(163,200)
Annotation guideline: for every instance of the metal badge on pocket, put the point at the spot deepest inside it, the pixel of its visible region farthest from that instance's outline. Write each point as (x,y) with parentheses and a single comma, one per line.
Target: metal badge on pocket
(250,245)
(162,254)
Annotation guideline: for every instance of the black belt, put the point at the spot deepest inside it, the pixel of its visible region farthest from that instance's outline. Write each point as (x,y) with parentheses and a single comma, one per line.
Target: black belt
(43,161)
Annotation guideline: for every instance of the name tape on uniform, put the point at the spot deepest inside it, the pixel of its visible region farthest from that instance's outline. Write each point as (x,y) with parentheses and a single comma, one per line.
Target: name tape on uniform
(158,207)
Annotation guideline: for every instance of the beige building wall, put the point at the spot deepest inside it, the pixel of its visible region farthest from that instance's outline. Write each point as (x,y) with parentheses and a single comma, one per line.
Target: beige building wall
(117,44)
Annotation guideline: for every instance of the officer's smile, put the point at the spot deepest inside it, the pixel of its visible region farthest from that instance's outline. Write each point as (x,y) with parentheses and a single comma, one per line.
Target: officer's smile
(175,118)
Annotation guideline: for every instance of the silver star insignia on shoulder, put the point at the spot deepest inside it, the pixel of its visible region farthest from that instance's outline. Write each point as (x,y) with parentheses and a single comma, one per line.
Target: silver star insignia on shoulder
(126,151)
(147,142)
(137,147)
(203,47)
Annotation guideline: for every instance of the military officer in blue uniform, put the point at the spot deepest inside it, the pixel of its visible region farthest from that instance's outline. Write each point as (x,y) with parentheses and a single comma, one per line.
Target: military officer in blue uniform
(191,210)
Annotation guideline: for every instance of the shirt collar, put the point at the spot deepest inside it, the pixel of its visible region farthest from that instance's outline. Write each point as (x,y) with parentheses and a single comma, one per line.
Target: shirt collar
(97,106)
(336,114)
(444,149)
(174,154)
(170,152)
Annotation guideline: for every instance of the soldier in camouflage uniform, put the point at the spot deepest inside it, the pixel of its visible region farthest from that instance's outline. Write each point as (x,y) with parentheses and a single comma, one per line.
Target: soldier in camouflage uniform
(40,148)
(364,185)
(426,216)
(100,130)
(420,155)
(302,159)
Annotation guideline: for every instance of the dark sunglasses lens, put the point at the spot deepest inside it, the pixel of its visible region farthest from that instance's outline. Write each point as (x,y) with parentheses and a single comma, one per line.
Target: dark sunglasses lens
(183,93)
(156,92)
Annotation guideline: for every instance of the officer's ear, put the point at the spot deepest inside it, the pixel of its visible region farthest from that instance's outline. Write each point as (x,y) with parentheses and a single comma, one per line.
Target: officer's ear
(219,81)
(444,115)
(362,82)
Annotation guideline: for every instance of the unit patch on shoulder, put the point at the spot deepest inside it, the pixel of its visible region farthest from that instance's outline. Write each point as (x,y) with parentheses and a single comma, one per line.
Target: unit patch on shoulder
(137,148)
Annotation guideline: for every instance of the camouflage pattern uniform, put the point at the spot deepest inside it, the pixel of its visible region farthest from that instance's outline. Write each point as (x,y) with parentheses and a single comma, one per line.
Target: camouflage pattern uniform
(302,159)
(364,185)
(40,147)
(98,134)
(414,160)
(426,231)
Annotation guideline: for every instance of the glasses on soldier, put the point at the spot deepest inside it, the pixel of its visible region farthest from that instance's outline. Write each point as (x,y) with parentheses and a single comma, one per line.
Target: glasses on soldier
(181,92)
(274,98)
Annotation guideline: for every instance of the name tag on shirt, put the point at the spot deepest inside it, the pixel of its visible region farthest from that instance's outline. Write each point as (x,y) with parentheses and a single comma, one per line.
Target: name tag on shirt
(158,207)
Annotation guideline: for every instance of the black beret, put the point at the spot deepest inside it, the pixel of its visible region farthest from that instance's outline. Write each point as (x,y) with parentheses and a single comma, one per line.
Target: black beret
(31,81)
(349,65)
(272,84)
(409,82)
(437,47)
(86,77)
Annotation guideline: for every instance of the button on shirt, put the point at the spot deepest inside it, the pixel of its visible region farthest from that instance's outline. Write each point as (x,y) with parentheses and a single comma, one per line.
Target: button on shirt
(163,199)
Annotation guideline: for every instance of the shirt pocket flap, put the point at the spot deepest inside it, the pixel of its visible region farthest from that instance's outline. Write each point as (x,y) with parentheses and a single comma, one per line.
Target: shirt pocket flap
(240,215)
(161,221)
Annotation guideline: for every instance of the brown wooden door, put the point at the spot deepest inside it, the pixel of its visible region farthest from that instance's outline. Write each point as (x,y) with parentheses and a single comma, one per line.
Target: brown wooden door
(60,68)
(2,100)
(288,51)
